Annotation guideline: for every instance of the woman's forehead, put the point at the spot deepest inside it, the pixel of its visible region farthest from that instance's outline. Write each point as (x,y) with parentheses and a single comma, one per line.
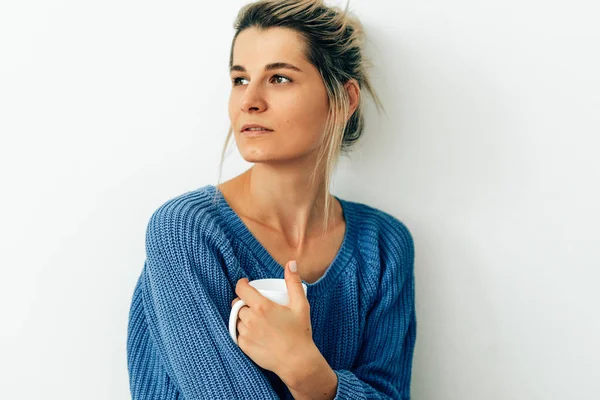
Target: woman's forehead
(257,48)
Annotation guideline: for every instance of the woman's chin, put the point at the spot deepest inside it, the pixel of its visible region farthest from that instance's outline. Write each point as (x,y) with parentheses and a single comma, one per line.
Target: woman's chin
(257,156)
(261,160)
(265,158)
(256,152)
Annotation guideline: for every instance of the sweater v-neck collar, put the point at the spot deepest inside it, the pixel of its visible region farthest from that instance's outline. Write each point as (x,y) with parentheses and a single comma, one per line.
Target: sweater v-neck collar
(276,270)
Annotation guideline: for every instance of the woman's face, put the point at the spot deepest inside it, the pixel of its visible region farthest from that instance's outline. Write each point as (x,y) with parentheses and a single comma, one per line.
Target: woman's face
(273,85)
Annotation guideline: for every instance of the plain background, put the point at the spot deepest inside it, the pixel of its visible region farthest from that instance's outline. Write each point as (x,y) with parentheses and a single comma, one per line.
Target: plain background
(488,153)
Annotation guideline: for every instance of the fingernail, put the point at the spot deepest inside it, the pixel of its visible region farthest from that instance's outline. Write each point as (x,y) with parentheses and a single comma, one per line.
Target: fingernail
(293,266)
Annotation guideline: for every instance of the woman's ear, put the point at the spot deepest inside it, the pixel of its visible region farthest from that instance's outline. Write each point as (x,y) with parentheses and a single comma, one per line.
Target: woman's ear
(353,90)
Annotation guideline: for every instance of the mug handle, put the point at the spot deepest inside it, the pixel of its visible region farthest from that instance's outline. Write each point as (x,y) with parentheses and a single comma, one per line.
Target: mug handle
(233,317)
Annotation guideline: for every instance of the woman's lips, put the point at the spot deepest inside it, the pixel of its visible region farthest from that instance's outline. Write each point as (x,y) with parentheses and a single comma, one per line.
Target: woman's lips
(252,133)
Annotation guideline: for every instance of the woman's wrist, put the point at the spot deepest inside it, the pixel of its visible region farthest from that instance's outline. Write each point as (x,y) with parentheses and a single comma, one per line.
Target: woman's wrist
(309,376)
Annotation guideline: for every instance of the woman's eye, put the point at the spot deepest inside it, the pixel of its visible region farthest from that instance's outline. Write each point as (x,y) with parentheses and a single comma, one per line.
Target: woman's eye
(236,81)
(276,77)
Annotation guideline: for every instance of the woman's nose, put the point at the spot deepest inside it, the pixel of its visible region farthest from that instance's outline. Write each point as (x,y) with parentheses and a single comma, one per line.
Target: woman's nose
(253,100)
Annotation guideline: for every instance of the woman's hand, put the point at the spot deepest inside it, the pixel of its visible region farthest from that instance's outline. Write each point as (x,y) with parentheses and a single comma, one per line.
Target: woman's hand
(276,337)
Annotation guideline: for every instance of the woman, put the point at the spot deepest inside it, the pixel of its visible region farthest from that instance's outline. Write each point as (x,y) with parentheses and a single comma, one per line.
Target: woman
(297,72)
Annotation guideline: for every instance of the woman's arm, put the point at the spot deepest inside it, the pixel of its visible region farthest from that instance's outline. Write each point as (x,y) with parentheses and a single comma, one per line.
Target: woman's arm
(178,339)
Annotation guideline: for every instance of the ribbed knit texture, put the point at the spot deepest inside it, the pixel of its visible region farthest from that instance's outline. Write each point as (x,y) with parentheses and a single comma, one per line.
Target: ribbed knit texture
(362,308)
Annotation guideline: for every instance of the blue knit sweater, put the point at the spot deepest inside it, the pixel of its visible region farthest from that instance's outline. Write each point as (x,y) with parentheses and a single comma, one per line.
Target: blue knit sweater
(197,248)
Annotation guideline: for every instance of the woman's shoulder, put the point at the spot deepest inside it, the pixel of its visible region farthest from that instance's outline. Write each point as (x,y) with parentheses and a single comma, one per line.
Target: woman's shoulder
(193,212)
(191,204)
(380,234)
(373,220)
(184,234)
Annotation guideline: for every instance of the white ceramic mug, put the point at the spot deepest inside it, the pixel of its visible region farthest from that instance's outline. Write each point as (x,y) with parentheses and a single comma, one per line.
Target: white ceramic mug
(273,289)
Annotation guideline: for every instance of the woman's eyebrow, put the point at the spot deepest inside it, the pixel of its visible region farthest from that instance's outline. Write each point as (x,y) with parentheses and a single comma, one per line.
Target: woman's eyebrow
(268,67)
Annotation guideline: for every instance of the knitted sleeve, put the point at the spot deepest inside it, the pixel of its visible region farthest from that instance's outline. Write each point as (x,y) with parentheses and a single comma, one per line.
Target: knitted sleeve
(178,341)
(383,367)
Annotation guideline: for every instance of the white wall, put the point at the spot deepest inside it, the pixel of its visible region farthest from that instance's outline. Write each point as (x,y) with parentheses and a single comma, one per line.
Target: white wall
(487,153)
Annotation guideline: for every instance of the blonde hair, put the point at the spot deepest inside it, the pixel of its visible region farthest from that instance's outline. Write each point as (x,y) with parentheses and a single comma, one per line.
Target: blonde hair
(334,41)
